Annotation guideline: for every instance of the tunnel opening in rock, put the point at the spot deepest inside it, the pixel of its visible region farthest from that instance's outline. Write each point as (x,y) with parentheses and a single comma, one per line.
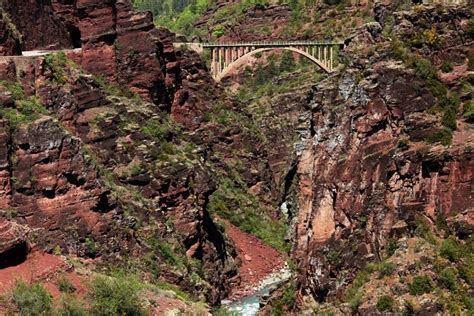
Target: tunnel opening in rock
(14,256)
(75,35)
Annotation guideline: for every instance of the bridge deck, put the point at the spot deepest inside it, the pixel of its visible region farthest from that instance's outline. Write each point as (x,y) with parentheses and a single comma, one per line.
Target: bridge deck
(270,44)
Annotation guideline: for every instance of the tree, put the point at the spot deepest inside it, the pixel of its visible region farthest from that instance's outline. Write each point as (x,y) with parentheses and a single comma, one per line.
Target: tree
(287,62)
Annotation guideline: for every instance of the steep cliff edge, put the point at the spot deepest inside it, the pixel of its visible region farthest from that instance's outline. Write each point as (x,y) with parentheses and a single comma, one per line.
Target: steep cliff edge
(390,149)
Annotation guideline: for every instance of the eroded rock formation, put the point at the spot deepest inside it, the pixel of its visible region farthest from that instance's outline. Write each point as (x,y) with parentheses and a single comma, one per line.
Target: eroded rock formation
(368,172)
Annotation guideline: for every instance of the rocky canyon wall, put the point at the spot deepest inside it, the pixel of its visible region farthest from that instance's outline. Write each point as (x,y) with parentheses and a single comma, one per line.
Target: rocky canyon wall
(368,172)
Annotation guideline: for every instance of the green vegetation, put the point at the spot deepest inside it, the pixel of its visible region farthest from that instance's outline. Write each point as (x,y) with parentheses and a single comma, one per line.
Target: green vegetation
(468,111)
(446,67)
(32,299)
(159,130)
(115,90)
(65,286)
(116,296)
(443,136)
(385,303)
(233,201)
(448,103)
(57,63)
(469,28)
(451,249)
(11,26)
(421,284)
(26,108)
(286,301)
(410,309)
(448,277)
(70,306)
(177,15)
(385,269)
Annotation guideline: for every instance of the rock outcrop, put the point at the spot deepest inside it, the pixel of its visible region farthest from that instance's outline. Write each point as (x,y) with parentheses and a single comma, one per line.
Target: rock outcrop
(117,43)
(368,172)
(9,36)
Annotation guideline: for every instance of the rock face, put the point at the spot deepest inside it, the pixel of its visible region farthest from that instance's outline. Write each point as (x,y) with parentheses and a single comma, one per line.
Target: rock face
(13,246)
(116,42)
(85,178)
(367,172)
(244,21)
(9,37)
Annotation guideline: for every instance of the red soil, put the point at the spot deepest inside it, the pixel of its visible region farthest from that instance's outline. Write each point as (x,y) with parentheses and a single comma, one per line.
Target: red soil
(258,260)
(44,268)
(38,266)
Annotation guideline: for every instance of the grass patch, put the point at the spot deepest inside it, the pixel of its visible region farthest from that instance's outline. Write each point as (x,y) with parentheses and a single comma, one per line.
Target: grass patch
(32,299)
(421,284)
(65,286)
(26,108)
(116,296)
(233,202)
(385,303)
(286,301)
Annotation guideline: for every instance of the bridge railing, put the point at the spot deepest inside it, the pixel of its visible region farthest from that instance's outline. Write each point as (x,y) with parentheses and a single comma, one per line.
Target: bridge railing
(272,44)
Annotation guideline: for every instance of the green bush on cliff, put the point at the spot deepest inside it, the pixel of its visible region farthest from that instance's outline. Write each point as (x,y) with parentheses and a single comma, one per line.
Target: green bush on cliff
(56,63)
(421,284)
(468,111)
(448,277)
(26,108)
(115,296)
(443,136)
(385,303)
(286,301)
(233,202)
(451,249)
(70,306)
(11,26)
(469,28)
(32,299)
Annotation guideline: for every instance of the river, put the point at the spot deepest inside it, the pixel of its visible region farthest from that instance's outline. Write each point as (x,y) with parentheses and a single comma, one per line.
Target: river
(249,305)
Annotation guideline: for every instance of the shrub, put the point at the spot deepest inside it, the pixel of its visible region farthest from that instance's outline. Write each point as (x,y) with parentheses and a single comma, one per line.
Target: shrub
(392,246)
(32,299)
(446,67)
(65,285)
(355,302)
(444,136)
(421,284)
(468,111)
(469,28)
(115,296)
(449,119)
(286,301)
(385,269)
(409,308)
(448,278)
(27,109)
(385,303)
(218,31)
(451,249)
(56,63)
(332,2)
(71,307)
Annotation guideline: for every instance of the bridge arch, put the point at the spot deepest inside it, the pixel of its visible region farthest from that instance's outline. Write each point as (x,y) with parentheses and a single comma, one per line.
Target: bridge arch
(244,59)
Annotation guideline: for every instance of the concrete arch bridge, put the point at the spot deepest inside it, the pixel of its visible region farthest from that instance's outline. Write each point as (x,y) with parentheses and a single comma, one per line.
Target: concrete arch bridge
(228,56)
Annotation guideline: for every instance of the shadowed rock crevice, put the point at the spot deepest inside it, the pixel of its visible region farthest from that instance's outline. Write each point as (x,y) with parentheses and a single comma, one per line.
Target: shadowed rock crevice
(14,256)
(104,204)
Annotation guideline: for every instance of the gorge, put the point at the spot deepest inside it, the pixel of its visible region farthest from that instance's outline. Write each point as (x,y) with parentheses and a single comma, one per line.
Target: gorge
(134,183)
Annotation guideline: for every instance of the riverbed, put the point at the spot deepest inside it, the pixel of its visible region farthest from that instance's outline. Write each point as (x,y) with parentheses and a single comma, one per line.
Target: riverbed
(250,304)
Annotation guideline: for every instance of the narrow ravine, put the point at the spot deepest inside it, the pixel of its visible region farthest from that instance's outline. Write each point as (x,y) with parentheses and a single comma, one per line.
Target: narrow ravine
(262,269)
